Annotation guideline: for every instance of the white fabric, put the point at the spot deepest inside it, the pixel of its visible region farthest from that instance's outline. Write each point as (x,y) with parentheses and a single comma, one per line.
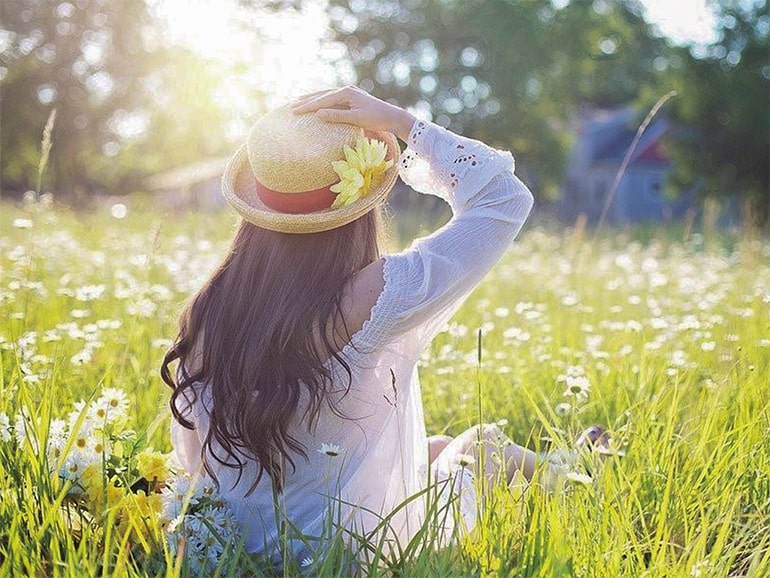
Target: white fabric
(383,457)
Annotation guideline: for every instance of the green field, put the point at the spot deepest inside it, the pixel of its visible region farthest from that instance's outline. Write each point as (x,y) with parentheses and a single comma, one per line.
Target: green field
(670,334)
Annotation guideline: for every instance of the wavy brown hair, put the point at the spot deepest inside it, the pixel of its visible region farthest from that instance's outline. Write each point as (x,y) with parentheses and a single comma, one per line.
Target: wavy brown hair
(262,328)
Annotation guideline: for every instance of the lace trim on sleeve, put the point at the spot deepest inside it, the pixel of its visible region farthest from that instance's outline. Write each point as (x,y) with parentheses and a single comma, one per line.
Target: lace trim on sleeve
(370,336)
(442,163)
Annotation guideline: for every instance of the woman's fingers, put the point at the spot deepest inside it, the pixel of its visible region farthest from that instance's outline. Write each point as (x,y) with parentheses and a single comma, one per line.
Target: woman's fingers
(310,96)
(338,115)
(352,105)
(330,99)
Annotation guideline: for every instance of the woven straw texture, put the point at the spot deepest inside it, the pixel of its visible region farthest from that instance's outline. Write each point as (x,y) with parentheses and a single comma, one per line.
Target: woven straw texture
(293,153)
(296,154)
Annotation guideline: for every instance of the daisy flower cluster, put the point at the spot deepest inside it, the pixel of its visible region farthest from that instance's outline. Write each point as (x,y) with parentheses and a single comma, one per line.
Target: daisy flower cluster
(109,476)
(198,522)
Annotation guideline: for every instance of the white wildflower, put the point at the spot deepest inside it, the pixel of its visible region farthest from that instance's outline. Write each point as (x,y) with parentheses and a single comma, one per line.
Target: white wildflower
(160,292)
(206,533)
(99,447)
(679,358)
(142,308)
(22,223)
(55,449)
(625,350)
(205,487)
(5,428)
(562,409)
(175,495)
(700,568)
(579,478)
(82,440)
(114,403)
(80,408)
(83,357)
(73,467)
(517,334)
(577,386)
(708,345)
(22,426)
(464,460)
(89,292)
(608,450)
(161,343)
(332,450)
(570,299)
(502,312)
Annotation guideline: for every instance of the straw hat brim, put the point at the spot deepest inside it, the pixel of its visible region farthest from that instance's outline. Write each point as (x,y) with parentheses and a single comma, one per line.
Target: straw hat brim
(240,191)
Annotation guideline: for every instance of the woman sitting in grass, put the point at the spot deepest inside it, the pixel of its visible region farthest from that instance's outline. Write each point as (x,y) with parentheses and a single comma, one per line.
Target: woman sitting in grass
(297,388)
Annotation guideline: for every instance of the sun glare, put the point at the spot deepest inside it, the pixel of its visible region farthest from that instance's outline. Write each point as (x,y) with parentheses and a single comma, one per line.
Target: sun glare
(280,55)
(683,21)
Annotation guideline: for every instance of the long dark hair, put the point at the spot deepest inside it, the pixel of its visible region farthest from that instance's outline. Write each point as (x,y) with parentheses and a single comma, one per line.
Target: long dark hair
(260,329)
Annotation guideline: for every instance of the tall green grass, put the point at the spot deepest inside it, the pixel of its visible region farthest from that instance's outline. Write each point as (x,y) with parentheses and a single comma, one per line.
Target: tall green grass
(673,336)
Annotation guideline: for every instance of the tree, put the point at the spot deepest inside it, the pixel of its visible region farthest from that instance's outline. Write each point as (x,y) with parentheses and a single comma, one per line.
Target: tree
(510,72)
(119,92)
(723,99)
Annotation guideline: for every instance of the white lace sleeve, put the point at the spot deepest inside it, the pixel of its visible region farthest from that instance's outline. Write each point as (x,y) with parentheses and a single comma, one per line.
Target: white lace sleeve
(426,283)
(450,166)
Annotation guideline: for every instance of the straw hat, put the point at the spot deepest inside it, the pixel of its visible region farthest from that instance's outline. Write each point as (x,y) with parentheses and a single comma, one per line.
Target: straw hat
(280,179)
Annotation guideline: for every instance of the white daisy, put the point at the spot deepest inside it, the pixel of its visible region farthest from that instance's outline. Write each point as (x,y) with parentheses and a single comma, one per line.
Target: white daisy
(5,428)
(114,402)
(577,386)
(22,426)
(579,478)
(332,450)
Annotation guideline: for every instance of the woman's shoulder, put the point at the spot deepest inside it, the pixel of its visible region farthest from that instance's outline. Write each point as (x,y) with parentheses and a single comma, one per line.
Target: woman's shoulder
(359,298)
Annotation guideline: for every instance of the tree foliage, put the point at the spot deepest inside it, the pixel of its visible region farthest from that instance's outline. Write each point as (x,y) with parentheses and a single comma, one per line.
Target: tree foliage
(509,72)
(122,100)
(724,101)
(514,72)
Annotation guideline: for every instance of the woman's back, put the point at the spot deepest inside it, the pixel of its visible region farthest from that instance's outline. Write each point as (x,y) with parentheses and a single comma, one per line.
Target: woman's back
(363,441)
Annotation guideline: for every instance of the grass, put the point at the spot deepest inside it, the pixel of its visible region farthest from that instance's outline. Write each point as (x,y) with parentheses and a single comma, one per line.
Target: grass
(672,335)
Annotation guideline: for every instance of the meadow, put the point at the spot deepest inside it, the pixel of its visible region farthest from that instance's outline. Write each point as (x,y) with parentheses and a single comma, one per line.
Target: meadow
(662,335)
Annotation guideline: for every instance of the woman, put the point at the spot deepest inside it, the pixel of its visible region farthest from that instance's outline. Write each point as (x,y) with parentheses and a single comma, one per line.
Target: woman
(296,387)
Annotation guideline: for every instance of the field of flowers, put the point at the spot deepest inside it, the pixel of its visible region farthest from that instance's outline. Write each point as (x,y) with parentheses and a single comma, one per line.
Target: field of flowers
(665,340)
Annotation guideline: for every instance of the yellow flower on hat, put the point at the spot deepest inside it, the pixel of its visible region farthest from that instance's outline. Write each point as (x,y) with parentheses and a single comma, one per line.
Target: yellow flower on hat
(360,172)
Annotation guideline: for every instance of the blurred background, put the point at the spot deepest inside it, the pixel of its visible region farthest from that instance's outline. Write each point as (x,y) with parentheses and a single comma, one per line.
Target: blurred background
(106,98)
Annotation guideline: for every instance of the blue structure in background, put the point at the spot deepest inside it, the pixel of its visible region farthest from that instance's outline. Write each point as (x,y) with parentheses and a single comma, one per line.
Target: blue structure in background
(603,139)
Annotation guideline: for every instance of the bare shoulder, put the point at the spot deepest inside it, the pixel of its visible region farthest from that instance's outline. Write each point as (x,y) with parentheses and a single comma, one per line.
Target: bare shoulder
(359,297)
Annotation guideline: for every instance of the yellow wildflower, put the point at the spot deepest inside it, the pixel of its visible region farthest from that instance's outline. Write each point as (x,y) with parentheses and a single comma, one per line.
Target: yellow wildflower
(115,494)
(360,172)
(145,506)
(92,483)
(138,514)
(152,465)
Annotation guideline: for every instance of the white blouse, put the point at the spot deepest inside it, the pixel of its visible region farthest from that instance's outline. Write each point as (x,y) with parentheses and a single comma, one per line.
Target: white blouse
(383,458)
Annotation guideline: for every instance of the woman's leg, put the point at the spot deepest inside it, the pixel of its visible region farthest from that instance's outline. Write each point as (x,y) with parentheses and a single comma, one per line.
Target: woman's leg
(490,448)
(436,445)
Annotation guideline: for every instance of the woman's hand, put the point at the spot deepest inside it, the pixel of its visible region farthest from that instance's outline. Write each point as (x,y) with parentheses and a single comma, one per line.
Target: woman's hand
(354,106)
